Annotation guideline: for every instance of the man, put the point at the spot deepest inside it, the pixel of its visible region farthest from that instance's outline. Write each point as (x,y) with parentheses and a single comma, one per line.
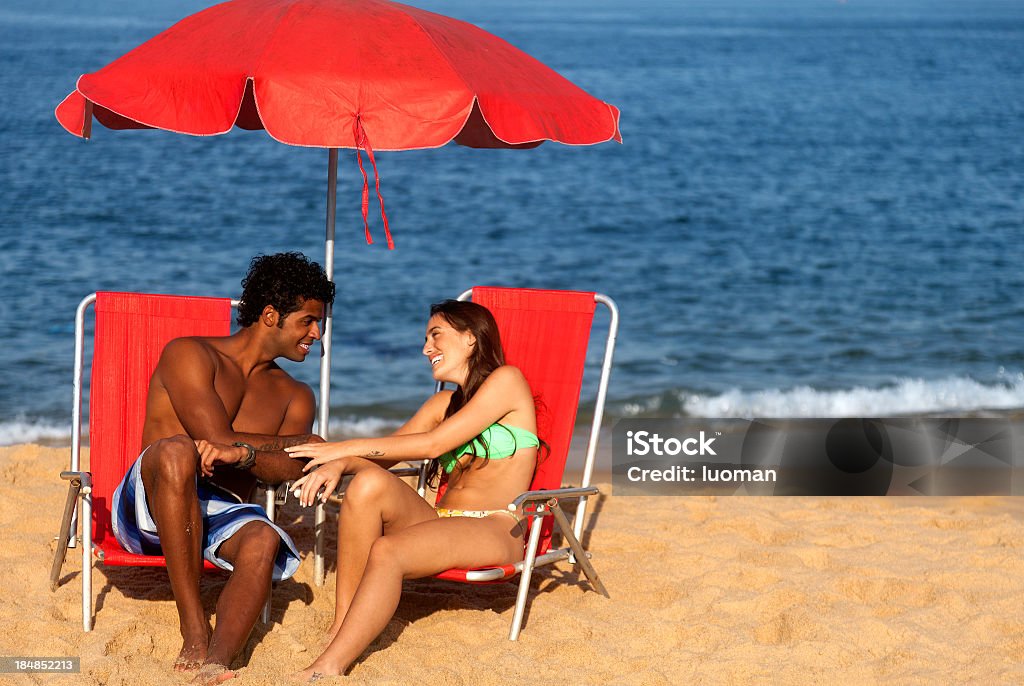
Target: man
(219,413)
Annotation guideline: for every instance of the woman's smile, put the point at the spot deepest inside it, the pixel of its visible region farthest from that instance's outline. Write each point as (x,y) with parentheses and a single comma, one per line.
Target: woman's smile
(448,350)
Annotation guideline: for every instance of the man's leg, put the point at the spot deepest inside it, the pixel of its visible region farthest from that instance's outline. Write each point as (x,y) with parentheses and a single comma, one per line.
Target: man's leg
(251,551)
(169,476)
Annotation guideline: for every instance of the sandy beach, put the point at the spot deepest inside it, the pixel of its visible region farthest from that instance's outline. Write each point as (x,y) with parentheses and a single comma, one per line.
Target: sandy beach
(704,590)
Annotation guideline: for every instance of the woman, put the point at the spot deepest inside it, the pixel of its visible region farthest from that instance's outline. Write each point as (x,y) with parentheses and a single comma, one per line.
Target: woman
(483,436)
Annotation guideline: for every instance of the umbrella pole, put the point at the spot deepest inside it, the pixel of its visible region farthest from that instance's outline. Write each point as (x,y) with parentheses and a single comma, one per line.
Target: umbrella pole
(320,517)
(325,342)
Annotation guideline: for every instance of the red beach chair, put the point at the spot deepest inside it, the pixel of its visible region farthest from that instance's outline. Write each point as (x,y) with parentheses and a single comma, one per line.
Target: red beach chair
(130,333)
(545,334)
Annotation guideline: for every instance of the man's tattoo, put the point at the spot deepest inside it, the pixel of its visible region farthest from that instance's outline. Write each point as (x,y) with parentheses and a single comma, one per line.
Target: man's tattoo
(372,454)
(282,442)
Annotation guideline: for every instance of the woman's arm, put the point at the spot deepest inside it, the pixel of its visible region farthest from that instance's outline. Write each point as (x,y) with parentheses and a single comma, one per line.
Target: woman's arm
(426,418)
(427,434)
(321,482)
(504,390)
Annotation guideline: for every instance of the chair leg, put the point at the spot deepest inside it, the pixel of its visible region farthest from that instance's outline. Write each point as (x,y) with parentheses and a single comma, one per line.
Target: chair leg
(265,612)
(524,578)
(319,532)
(87,559)
(271,506)
(65,532)
(270,493)
(577,548)
(421,479)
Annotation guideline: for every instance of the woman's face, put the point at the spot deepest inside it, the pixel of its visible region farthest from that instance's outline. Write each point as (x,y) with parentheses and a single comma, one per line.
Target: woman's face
(448,350)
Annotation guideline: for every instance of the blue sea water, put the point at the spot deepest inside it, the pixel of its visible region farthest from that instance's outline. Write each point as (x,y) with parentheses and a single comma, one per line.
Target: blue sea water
(817,210)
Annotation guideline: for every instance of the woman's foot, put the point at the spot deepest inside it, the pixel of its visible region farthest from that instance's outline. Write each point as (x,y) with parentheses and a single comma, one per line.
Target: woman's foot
(314,673)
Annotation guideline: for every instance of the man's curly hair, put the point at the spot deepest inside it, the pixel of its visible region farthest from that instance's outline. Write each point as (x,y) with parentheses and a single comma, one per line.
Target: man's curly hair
(283,281)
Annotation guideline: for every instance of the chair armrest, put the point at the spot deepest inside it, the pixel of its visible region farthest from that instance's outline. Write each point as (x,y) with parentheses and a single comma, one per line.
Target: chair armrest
(85,478)
(343,482)
(397,471)
(405,471)
(552,494)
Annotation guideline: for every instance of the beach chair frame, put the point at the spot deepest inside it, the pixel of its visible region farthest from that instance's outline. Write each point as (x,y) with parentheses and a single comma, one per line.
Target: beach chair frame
(535,504)
(538,504)
(78,505)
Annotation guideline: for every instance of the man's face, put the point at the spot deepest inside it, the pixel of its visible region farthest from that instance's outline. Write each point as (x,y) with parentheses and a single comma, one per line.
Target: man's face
(298,329)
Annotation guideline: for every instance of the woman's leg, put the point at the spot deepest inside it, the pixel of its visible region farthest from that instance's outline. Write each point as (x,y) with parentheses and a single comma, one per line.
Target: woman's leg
(376,502)
(416,551)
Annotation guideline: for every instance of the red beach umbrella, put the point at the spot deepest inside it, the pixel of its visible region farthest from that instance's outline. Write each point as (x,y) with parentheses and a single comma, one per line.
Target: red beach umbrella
(361,74)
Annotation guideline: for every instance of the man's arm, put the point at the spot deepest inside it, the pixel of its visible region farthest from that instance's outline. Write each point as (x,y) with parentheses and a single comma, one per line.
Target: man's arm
(503,392)
(188,374)
(273,465)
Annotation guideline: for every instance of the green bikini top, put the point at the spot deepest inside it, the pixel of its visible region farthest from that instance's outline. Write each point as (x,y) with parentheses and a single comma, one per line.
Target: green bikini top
(501,442)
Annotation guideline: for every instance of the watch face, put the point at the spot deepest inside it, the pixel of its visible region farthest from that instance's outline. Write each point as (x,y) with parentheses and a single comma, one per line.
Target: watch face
(250,458)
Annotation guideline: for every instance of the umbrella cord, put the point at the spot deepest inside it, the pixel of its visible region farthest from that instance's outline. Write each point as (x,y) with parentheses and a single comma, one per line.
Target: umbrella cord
(363,142)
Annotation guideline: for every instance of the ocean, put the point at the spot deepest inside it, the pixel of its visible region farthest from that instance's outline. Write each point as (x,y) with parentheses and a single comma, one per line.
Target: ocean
(817,209)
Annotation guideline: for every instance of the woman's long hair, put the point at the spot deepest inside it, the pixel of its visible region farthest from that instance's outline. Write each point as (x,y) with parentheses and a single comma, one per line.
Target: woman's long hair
(485,357)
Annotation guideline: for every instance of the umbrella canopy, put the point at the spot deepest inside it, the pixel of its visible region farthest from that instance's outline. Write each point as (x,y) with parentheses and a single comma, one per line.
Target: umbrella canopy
(339,74)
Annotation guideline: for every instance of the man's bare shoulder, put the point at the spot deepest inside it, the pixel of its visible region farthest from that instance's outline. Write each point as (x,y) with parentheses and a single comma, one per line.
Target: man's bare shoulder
(189,351)
(281,384)
(274,373)
(299,406)
(301,393)
(289,384)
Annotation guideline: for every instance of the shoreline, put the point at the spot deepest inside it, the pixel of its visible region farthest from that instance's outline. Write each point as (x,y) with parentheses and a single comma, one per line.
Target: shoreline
(53,433)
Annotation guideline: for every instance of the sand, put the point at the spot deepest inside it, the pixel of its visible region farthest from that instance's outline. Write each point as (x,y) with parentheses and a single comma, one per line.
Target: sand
(706,591)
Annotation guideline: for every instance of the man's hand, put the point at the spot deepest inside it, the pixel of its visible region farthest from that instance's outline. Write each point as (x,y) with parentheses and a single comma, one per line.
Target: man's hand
(211,454)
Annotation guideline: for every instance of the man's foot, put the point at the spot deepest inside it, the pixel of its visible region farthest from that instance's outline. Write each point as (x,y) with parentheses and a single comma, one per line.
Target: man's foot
(193,654)
(191,657)
(212,673)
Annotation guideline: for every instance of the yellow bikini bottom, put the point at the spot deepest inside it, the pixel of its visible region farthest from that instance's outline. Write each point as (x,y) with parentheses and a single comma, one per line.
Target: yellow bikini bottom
(475,514)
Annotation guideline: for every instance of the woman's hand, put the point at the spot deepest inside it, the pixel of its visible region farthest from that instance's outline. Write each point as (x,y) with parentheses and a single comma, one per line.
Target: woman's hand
(326,477)
(318,453)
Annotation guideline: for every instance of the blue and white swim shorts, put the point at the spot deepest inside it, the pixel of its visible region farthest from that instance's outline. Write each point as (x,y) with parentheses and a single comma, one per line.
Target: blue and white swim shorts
(135,529)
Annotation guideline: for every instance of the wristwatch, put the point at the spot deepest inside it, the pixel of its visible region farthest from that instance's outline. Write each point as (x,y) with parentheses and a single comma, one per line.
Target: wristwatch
(249,460)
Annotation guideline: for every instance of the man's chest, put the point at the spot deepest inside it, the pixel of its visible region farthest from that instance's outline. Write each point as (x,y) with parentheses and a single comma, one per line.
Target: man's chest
(255,405)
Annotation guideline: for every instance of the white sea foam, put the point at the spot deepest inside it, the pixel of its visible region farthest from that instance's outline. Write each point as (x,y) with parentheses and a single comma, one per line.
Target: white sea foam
(23,430)
(352,425)
(906,396)
(26,430)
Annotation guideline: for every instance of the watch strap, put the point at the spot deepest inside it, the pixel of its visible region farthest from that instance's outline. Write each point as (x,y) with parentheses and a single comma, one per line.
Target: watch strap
(249,460)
